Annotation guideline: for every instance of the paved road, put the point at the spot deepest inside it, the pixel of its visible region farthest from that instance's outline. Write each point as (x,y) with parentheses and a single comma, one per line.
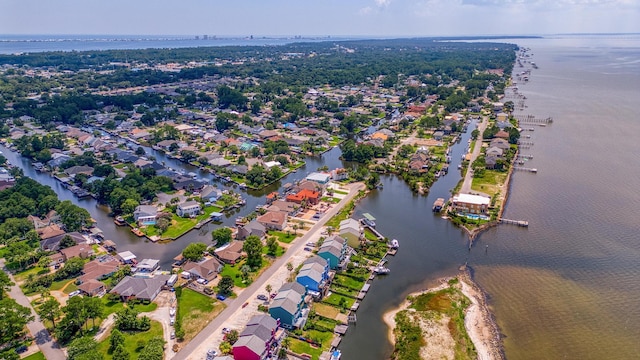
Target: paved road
(466,185)
(47,345)
(258,285)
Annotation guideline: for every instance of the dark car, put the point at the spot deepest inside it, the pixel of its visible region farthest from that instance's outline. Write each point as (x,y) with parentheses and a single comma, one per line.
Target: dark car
(262,297)
(221,297)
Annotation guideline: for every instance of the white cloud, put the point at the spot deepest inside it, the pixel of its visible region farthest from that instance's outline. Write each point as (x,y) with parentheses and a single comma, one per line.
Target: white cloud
(382,3)
(365,10)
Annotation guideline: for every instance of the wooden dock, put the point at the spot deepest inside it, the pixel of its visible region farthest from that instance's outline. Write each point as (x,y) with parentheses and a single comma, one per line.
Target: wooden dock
(523,156)
(530,119)
(524,142)
(522,223)
(531,170)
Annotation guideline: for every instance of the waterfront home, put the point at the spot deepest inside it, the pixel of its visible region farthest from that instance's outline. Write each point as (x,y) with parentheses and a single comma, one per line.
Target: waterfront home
(500,143)
(273,220)
(334,251)
(490,162)
(210,194)
(82,251)
(99,268)
(314,275)
(251,228)
(82,169)
(287,207)
(309,185)
(230,253)
(188,209)
(52,243)
(312,197)
(320,178)
(494,151)
(206,269)
(339,174)
(438,135)
(140,288)
(145,214)
(257,339)
(289,306)
(470,204)
(351,231)
(127,257)
(502,135)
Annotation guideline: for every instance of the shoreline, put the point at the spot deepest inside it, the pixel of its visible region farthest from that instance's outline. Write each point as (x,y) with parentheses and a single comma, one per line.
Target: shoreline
(479,322)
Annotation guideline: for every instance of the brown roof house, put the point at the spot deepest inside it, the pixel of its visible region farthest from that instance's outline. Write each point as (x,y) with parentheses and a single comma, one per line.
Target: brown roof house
(140,288)
(92,288)
(231,253)
(82,251)
(273,220)
(206,269)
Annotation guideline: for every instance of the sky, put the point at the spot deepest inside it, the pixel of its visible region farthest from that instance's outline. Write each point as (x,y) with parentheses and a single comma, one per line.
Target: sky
(386,18)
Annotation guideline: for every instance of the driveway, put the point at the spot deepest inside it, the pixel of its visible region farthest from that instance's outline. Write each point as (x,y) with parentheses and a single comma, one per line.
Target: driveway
(210,335)
(466,185)
(47,345)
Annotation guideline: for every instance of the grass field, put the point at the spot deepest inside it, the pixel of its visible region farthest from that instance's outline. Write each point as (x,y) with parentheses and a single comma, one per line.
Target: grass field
(36,356)
(196,311)
(283,236)
(326,310)
(489,182)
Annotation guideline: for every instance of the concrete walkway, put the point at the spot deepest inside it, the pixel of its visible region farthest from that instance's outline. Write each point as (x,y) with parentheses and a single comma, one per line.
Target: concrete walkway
(204,340)
(466,185)
(49,348)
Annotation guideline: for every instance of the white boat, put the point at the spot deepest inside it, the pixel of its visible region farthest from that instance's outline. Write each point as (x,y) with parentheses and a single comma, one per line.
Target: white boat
(395,244)
(381,270)
(335,355)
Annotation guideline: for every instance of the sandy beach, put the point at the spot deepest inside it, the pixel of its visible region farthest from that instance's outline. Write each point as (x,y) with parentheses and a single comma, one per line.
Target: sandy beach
(479,322)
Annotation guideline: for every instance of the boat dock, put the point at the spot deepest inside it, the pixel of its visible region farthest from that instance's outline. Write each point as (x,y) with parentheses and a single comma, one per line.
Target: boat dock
(530,119)
(531,170)
(522,223)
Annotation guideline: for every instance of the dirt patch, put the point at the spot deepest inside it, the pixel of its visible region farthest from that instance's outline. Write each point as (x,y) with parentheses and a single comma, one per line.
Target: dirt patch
(197,320)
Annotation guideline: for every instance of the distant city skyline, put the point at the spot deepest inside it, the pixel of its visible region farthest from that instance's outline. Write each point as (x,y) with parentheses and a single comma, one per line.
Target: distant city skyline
(384,18)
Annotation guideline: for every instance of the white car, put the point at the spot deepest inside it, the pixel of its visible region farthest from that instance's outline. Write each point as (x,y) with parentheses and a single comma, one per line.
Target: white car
(74,293)
(172,312)
(211,353)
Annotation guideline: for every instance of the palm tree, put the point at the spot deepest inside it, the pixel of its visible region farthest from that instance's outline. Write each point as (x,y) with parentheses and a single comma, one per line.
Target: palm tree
(268,288)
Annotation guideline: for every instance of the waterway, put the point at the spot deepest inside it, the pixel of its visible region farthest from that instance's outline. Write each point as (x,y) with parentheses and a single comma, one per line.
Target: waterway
(165,252)
(568,286)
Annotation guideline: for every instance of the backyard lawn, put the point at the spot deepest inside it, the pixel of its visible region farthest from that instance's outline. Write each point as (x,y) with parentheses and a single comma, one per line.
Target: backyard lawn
(36,356)
(488,181)
(131,340)
(283,236)
(326,310)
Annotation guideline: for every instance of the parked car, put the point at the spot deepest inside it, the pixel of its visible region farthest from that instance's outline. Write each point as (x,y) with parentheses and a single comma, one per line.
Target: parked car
(211,353)
(274,294)
(172,321)
(74,293)
(221,297)
(226,330)
(172,312)
(311,244)
(307,249)
(245,305)
(262,297)
(173,334)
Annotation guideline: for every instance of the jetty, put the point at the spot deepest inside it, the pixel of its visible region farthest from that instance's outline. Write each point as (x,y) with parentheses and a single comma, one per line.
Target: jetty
(530,119)
(531,170)
(522,223)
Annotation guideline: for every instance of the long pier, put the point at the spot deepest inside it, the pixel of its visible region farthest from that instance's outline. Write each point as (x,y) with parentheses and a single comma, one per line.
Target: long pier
(522,223)
(523,156)
(531,170)
(524,142)
(530,119)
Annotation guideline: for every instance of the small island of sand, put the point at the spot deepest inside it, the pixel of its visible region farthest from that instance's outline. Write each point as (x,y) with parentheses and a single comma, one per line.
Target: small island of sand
(450,321)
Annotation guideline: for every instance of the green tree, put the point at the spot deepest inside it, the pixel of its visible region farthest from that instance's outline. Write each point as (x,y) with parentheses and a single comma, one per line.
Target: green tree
(67,241)
(140,151)
(116,339)
(73,217)
(221,236)
(253,247)
(127,320)
(50,310)
(194,251)
(5,283)
(225,286)
(120,353)
(129,206)
(162,224)
(153,350)
(232,336)
(13,318)
(272,246)
(268,288)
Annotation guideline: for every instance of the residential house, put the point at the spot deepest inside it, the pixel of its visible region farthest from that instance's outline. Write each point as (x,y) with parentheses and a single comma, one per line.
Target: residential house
(257,339)
(500,143)
(502,135)
(314,274)
(490,162)
(210,194)
(251,228)
(320,178)
(206,269)
(140,288)
(273,220)
(287,207)
(127,257)
(309,185)
(92,288)
(82,251)
(145,214)
(351,231)
(470,204)
(82,169)
(52,243)
(311,197)
(57,160)
(230,253)
(99,268)
(289,306)
(334,251)
(188,209)
(339,174)
(438,135)
(494,151)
